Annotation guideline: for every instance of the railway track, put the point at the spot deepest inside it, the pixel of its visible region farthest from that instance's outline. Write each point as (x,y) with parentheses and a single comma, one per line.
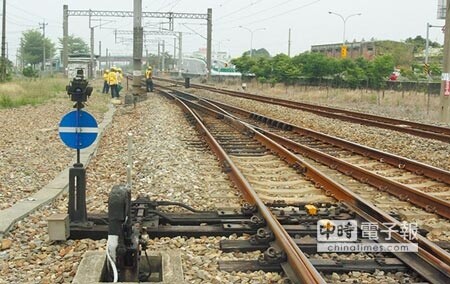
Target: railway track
(413,128)
(254,165)
(423,185)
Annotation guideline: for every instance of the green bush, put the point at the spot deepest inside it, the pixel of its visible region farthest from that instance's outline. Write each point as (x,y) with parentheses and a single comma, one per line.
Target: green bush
(30,72)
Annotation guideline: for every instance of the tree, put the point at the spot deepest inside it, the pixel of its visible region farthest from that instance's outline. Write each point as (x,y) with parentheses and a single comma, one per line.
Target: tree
(244,64)
(75,45)
(262,52)
(401,53)
(379,70)
(419,43)
(284,70)
(315,65)
(353,72)
(31,45)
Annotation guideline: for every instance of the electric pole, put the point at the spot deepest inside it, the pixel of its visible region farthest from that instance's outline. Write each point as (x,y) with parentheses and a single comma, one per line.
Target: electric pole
(209,42)
(289,43)
(42,26)
(99,54)
(65,52)
(180,53)
(91,57)
(3,70)
(445,82)
(107,59)
(138,36)
(163,56)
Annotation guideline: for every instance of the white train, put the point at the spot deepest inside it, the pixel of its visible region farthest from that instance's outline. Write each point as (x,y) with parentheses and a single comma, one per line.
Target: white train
(197,66)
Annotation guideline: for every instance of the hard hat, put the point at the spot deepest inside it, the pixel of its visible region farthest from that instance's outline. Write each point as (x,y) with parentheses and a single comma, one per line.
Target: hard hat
(107,71)
(149,67)
(113,68)
(119,69)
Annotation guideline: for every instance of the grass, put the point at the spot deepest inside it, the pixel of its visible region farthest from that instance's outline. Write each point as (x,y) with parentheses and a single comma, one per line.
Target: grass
(30,92)
(410,105)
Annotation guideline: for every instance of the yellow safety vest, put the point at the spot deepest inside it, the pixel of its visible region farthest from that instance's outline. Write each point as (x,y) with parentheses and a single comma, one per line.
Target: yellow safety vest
(148,74)
(112,78)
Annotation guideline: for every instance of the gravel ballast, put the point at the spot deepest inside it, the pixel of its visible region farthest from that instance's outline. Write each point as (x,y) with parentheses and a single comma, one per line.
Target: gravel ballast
(165,166)
(168,164)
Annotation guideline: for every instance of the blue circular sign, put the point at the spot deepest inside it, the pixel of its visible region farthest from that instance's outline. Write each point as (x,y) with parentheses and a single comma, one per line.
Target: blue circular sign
(78,129)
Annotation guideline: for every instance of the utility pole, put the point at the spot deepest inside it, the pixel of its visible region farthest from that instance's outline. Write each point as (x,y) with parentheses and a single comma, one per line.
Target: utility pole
(159,56)
(445,82)
(3,66)
(163,58)
(289,43)
(427,43)
(209,42)
(138,34)
(107,58)
(42,26)
(91,59)
(65,52)
(99,54)
(174,52)
(180,50)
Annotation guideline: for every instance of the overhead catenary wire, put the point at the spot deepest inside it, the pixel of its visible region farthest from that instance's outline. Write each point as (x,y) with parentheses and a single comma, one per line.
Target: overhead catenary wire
(194,31)
(29,13)
(174,5)
(237,10)
(283,13)
(260,11)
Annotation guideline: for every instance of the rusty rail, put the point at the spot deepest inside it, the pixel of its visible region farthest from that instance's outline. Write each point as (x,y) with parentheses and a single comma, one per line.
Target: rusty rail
(413,128)
(404,192)
(432,262)
(298,262)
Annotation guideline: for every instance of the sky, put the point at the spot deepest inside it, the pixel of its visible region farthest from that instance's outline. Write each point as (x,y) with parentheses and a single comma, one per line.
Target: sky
(234,21)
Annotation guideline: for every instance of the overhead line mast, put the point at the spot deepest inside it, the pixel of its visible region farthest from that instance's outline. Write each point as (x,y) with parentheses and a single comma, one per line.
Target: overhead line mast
(3,63)
(168,15)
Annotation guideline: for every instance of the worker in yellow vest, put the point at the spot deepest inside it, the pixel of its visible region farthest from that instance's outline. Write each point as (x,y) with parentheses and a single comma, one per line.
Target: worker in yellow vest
(112,81)
(149,79)
(105,82)
(119,80)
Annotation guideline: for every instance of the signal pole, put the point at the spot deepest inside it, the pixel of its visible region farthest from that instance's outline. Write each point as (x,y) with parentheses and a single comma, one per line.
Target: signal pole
(445,80)
(3,66)
(42,26)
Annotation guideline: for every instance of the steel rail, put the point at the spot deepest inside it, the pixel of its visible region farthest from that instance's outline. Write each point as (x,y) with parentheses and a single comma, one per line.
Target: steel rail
(404,192)
(431,262)
(419,168)
(413,128)
(435,173)
(298,262)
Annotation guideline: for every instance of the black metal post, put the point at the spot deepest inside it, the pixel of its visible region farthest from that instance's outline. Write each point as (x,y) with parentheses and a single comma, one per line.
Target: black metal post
(77,195)
(77,187)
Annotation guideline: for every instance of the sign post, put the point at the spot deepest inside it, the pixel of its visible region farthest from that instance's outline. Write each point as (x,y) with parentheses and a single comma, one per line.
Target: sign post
(78,130)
